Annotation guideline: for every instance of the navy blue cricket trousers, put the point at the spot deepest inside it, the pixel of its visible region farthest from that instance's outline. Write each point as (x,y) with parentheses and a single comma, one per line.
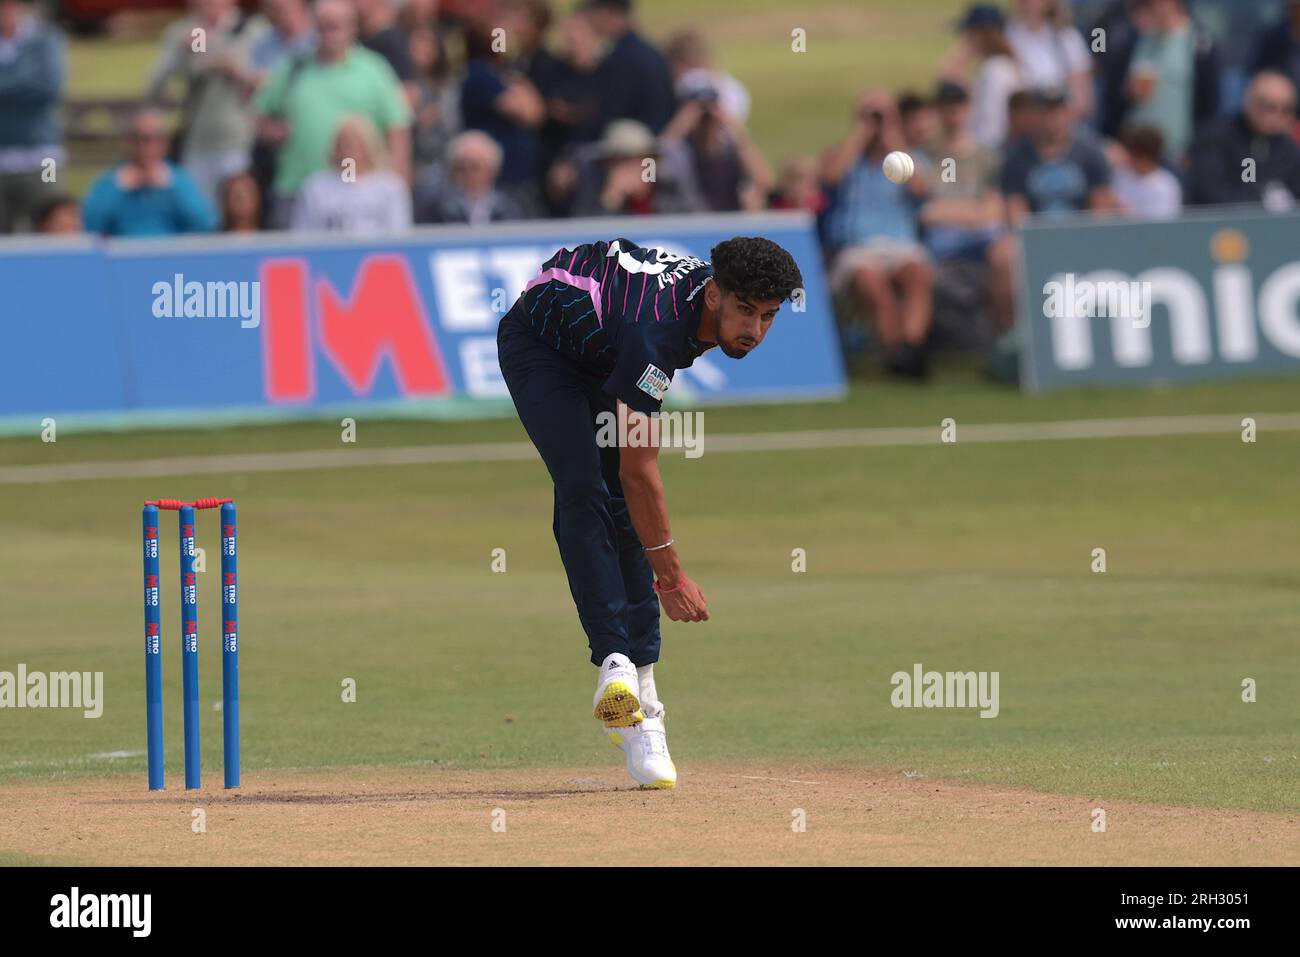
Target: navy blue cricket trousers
(609,577)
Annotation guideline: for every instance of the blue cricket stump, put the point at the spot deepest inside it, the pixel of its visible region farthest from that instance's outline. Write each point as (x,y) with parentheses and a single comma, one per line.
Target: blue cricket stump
(230,644)
(190,649)
(153,648)
(186,512)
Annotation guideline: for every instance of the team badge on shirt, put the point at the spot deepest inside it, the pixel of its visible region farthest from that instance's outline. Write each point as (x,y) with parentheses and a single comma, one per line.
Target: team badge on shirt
(654,382)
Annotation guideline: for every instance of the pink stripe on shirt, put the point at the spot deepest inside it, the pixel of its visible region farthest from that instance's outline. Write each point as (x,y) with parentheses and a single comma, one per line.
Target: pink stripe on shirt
(644,282)
(588,283)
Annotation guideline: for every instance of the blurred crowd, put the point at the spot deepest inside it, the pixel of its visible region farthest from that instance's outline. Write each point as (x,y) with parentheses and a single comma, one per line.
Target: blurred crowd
(369,116)
(1031,118)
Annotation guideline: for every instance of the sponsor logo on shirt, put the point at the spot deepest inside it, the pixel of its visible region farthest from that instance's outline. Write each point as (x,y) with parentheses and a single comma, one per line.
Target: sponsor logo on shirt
(654,382)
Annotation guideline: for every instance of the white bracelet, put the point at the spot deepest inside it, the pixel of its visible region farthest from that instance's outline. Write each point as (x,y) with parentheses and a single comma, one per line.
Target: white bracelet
(657,547)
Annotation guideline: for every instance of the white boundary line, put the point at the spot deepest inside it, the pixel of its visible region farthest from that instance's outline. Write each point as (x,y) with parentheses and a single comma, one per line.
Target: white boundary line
(316,459)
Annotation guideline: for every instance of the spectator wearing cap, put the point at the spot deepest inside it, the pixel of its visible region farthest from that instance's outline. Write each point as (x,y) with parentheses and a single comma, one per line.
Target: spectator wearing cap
(31,90)
(871,233)
(709,145)
(370,200)
(215,138)
(965,215)
(1260,133)
(469,193)
(691,63)
(1164,74)
(147,195)
(615,177)
(983,42)
(1057,172)
(633,77)
(1051,52)
(1143,187)
(302,104)
(1278,47)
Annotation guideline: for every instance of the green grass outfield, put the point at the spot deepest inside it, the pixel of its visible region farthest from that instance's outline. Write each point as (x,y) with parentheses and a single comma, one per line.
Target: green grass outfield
(961,557)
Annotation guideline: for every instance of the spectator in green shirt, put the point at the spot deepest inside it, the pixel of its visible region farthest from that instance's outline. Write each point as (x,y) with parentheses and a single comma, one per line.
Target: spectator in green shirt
(304,100)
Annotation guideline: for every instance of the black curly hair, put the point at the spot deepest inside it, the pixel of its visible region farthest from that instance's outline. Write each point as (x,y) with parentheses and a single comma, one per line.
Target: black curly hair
(755,268)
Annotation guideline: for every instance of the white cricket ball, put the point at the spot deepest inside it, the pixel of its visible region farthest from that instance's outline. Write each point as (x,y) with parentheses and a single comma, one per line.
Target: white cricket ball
(898,167)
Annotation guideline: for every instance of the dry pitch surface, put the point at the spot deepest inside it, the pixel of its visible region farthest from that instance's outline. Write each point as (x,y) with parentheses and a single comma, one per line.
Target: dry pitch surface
(722,814)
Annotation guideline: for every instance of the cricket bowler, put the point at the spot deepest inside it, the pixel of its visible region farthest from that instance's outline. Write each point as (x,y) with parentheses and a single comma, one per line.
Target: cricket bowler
(600,331)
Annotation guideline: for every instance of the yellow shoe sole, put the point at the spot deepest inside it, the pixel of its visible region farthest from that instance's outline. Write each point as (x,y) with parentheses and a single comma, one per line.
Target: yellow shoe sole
(618,707)
(663,784)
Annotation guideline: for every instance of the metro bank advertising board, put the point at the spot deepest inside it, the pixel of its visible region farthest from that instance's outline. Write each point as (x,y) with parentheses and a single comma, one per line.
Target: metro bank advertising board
(210,327)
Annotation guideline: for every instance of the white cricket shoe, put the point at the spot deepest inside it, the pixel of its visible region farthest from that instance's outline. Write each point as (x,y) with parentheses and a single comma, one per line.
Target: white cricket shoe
(648,761)
(617,701)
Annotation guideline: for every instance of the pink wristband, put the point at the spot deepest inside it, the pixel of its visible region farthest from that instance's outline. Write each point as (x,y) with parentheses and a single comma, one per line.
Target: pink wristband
(668,591)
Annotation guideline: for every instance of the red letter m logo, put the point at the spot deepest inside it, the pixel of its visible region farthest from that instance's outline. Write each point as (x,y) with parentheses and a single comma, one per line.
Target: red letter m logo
(384,318)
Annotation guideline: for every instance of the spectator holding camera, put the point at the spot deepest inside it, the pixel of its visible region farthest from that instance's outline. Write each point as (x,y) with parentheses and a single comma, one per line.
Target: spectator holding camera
(871,228)
(710,145)
(690,60)
(210,50)
(147,195)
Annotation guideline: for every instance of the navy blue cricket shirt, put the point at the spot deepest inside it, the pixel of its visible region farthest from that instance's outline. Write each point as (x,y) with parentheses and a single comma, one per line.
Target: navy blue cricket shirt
(622,311)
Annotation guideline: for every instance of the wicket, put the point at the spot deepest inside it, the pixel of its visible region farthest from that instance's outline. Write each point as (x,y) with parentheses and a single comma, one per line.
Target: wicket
(190,640)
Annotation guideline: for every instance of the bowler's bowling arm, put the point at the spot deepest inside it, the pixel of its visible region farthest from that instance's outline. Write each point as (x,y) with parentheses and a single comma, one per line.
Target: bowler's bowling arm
(643,488)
